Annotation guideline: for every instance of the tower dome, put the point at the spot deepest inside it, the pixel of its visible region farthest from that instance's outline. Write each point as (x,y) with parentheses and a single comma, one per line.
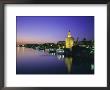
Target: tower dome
(69,40)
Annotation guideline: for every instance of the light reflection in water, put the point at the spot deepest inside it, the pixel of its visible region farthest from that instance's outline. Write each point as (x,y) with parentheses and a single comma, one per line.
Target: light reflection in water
(43,62)
(23,48)
(92,67)
(18,49)
(67,60)
(68,63)
(52,53)
(60,57)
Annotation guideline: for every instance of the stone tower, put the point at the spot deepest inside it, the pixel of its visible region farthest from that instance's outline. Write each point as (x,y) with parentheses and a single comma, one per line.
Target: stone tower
(69,40)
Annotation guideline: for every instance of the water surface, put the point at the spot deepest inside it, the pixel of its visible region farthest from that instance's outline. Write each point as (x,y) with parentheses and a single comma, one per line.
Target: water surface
(30,61)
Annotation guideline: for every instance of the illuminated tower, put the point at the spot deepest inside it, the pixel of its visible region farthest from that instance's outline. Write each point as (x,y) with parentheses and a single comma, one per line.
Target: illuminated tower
(69,40)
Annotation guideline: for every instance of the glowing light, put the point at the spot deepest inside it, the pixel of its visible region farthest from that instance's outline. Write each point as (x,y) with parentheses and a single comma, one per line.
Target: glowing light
(68,62)
(62,56)
(69,40)
(92,67)
(63,46)
(59,57)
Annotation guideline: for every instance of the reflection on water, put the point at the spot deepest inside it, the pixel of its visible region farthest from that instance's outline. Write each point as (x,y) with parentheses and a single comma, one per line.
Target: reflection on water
(60,57)
(68,63)
(92,67)
(30,61)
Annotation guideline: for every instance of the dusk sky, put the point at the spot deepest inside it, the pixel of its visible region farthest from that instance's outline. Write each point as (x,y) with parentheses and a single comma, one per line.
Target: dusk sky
(42,29)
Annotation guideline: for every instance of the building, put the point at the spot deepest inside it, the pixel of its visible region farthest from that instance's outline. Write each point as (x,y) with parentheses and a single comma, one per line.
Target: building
(61,44)
(69,40)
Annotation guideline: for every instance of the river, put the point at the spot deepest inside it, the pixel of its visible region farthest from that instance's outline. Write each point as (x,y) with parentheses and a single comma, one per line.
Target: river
(30,61)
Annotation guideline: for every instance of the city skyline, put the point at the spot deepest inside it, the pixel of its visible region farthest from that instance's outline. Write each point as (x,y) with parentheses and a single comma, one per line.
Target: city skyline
(45,29)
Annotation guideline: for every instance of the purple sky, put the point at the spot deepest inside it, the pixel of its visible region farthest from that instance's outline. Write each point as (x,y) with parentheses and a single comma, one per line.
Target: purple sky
(40,29)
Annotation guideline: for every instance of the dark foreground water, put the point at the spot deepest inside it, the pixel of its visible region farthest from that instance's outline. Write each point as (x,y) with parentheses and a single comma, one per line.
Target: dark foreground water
(30,61)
